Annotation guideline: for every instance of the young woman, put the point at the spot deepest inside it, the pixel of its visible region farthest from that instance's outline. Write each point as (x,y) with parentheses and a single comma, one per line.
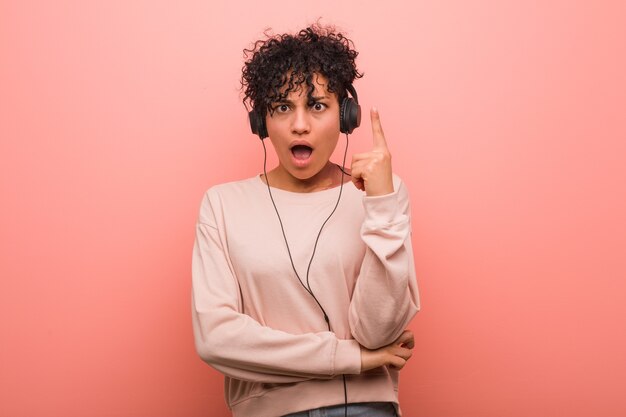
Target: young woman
(303,286)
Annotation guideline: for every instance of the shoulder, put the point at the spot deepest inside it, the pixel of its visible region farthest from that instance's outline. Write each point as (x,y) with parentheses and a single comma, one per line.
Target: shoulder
(226,196)
(231,187)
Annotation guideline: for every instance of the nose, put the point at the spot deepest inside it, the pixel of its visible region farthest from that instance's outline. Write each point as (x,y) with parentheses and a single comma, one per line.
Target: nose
(300,123)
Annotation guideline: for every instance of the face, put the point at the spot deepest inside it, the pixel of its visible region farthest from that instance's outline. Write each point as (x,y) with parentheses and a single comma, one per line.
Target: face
(305,134)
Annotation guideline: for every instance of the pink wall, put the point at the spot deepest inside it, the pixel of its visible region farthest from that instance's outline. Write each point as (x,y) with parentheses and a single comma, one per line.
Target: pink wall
(506,119)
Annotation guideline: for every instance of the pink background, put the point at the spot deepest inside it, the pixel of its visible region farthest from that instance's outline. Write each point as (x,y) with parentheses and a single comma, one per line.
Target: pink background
(505,118)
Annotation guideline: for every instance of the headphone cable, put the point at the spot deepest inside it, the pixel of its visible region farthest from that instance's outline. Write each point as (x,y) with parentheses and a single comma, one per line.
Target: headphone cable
(307,287)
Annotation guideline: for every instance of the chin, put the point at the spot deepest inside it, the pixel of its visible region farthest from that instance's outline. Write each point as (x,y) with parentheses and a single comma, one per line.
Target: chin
(304,174)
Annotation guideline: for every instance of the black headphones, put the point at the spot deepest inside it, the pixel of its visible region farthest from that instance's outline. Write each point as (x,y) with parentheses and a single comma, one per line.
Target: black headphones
(349,116)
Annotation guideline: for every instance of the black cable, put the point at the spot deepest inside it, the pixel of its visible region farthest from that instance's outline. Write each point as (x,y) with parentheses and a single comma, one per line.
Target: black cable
(307,287)
(282,228)
(331,213)
(344,164)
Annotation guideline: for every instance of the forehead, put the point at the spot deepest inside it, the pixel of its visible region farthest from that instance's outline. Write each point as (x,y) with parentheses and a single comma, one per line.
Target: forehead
(320,84)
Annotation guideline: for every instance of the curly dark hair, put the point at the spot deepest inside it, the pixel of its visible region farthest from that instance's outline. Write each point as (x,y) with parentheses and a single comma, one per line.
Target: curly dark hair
(291,60)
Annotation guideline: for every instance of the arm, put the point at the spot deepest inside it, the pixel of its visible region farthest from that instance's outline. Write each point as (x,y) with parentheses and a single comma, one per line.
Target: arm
(386,296)
(236,344)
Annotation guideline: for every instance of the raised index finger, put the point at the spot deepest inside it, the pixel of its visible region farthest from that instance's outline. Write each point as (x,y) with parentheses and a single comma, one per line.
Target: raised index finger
(377,130)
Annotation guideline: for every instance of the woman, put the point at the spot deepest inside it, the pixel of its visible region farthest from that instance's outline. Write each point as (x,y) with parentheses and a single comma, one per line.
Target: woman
(303,287)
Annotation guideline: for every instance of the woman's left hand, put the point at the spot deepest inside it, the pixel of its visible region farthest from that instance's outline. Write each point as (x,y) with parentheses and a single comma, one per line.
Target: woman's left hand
(371,171)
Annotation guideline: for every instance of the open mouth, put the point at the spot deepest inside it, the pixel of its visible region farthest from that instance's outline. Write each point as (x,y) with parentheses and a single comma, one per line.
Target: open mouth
(301,152)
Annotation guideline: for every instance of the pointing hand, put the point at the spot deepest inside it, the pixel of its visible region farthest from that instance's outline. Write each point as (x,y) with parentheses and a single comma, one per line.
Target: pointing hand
(371,171)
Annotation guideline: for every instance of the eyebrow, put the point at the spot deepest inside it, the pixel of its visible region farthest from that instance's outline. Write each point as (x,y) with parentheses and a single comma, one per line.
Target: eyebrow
(287,101)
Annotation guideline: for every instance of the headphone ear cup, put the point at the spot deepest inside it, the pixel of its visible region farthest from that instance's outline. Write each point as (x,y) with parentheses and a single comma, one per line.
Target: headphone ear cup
(257,124)
(350,115)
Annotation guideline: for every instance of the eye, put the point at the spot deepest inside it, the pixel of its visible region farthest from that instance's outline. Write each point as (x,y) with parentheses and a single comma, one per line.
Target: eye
(281,108)
(318,106)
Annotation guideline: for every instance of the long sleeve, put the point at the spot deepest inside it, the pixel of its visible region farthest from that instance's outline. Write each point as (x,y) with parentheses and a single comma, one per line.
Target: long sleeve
(386,296)
(236,344)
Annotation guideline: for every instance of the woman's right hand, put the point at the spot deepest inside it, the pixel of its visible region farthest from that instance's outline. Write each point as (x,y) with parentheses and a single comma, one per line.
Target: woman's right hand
(395,354)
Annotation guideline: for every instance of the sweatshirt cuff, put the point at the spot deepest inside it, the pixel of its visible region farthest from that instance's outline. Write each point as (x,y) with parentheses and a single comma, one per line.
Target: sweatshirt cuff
(347,357)
(382,208)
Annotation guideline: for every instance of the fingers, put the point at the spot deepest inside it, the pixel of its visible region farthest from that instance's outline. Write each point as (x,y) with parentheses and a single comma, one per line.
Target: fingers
(377,130)
(358,183)
(363,165)
(402,349)
(371,171)
(402,352)
(357,171)
(394,355)
(397,362)
(406,339)
(374,156)
(399,357)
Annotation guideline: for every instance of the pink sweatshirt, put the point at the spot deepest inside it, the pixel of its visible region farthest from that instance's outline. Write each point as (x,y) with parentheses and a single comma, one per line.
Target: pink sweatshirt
(254,322)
